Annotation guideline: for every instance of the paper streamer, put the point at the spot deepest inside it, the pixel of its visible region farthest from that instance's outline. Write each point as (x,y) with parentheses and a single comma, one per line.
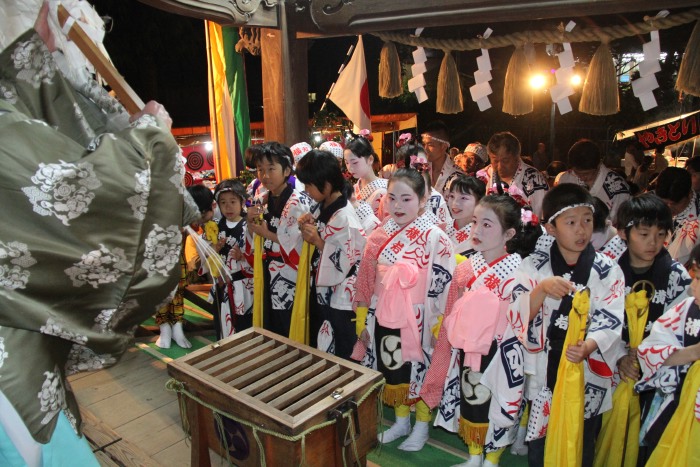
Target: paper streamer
(482,89)
(561,91)
(643,87)
(416,84)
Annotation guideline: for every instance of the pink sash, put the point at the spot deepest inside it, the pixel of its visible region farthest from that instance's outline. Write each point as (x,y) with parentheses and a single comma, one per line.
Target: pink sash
(473,323)
(398,287)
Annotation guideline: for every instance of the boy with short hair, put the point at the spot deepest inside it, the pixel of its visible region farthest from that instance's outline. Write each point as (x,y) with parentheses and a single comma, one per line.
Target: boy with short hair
(543,295)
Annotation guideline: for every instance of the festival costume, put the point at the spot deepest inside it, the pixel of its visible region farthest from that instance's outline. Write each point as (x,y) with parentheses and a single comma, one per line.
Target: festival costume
(94,245)
(460,238)
(527,178)
(280,260)
(477,373)
(670,280)
(333,273)
(547,332)
(448,168)
(686,230)
(367,218)
(234,299)
(372,194)
(678,328)
(411,301)
(609,186)
(438,206)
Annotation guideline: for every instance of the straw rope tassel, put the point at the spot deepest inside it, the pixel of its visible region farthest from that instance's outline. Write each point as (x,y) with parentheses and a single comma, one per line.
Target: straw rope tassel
(689,73)
(517,94)
(599,95)
(449,91)
(389,72)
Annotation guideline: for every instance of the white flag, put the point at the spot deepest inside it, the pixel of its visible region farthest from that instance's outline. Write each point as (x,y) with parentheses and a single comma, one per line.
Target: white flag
(351,93)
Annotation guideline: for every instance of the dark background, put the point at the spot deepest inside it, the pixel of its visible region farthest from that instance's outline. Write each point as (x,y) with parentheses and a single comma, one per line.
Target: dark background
(163,57)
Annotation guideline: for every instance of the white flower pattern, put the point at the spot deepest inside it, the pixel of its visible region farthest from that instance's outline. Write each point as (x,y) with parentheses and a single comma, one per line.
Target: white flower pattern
(3,353)
(99,267)
(8,92)
(15,258)
(81,358)
(178,178)
(139,201)
(162,250)
(33,60)
(54,327)
(64,190)
(52,396)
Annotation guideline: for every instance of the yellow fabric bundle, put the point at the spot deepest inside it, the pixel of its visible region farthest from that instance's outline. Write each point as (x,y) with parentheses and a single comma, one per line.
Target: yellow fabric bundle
(299,328)
(258,282)
(564,442)
(679,443)
(618,442)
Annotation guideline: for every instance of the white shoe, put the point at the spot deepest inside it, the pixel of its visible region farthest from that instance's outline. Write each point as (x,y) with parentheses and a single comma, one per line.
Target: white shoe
(166,335)
(519,448)
(401,428)
(179,336)
(487,463)
(417,439)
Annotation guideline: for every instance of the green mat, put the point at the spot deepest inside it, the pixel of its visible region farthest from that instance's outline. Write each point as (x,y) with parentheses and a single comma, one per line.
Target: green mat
(443,449)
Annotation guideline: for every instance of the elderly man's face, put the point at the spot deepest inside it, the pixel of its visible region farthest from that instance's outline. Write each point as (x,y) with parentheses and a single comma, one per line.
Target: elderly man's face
(435,150)
(474,162)
(504,163)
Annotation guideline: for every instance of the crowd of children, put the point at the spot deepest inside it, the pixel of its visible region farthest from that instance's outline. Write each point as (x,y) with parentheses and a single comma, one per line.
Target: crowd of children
(565,328)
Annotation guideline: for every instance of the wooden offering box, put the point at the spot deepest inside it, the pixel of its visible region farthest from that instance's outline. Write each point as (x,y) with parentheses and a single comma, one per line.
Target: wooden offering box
(269,383)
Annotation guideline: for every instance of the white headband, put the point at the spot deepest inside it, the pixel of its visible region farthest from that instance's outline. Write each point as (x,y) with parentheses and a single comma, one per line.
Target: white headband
(439,140)
(566,208)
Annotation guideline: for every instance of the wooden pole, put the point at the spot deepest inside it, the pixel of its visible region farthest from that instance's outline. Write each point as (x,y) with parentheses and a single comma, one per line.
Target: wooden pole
(126,95)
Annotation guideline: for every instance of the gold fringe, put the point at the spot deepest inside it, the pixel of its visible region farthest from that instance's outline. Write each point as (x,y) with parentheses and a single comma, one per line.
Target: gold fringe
(599,95)
(449,91)
(473,434)
(517,93)
(389,72)
(396,395)
(689,73)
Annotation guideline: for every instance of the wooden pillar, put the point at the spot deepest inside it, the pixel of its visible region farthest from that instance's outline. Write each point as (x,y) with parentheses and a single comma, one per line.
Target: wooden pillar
(285,82)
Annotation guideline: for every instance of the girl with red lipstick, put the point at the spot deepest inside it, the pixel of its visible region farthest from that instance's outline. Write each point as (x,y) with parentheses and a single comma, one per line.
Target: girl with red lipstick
(543,295)
(404,277)
(474,356)
(359,156)
(644,223)
(462,193)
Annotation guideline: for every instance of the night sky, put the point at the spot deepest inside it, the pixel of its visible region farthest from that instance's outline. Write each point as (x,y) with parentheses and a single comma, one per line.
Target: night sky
(163,57)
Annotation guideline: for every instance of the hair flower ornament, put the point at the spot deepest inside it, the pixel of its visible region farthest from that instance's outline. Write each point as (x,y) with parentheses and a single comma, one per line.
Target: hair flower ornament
(528,217)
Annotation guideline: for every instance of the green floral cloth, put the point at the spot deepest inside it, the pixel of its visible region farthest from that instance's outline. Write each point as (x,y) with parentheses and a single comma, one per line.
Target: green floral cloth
(90,239)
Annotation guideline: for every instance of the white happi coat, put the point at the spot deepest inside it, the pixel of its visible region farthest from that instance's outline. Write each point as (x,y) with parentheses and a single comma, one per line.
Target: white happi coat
(527,178)
(605,320)
(609,186)
(686,230)
(420,243)
(459,237)
(372,194)
(448,168)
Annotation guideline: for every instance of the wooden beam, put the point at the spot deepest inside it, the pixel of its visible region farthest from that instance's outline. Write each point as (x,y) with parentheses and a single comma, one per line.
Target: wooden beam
(285,83)
(252,13)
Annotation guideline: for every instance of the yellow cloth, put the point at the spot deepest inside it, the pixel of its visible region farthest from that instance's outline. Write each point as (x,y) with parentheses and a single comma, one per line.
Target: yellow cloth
(564,442)
(299,328)
(436,329)
(679,445)
(258,282)
(460,258)
(618,441)
(360,319)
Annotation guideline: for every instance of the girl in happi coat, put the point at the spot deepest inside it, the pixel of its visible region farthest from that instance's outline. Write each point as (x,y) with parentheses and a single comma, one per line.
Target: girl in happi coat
(359,157)
(414,156)
(336,232)
(665,357)
(234,298)
(462,194)
(645,223)
(479,395)
(281,207)
(404,277)
(543,295)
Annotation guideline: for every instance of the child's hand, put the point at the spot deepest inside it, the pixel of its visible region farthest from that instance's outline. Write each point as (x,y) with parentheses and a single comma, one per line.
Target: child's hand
(578,353)
(306,218)
(557,287)
(236,253)
(258,227)
(309,233)
(628,366)
(254,215)
(220,244)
